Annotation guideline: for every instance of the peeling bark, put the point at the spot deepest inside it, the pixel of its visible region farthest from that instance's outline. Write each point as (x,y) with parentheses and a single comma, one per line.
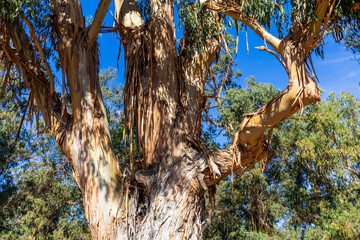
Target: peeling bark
(250,143)
(89,148)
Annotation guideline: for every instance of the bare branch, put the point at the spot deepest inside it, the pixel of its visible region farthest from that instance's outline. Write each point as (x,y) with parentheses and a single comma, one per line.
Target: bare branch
(100,13)
(263,48)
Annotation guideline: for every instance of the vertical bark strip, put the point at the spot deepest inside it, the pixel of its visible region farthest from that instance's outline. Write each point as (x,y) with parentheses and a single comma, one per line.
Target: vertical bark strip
(152,88)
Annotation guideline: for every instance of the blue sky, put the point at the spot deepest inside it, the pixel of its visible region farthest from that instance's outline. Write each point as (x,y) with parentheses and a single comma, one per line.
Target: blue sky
(338,71)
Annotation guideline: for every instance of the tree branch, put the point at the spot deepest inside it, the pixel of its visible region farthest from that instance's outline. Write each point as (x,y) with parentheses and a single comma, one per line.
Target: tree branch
(100,13)
(250,144)
(235,11)
(195,70)
(234,160)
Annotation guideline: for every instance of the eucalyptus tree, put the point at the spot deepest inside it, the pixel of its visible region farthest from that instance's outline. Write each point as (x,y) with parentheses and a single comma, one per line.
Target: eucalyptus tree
(160,196)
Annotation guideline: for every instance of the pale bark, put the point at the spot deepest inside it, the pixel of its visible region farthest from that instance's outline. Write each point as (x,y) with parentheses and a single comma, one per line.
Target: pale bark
(128,14)
(89,147)
(172,204)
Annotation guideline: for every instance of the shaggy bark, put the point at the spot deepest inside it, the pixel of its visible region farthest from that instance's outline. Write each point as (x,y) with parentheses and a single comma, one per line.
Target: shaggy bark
(162,197)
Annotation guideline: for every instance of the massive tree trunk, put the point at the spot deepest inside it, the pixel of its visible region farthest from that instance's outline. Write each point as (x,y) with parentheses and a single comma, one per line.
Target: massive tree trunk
(163,195)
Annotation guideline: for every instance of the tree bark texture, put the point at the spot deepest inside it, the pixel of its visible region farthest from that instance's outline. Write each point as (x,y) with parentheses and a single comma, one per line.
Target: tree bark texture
(163,195)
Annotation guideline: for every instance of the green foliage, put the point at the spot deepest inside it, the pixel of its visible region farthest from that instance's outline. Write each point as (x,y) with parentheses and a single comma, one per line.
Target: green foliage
(346,15)
(199,25)
(268,13)
(225,62)
(48,203)
(292,16)
(245,214)
(352,38)
(11,150)
(35,10)
(39,198)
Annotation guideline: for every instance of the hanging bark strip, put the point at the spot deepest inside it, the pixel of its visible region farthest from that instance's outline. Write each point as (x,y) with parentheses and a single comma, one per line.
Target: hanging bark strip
(138,92)
(41,51)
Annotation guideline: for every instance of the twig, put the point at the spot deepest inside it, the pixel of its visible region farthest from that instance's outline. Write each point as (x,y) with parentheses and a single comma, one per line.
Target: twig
(264,48)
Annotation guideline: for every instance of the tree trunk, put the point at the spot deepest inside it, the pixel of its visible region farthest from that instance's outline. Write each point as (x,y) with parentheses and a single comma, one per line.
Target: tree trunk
(164,199)
(168,200)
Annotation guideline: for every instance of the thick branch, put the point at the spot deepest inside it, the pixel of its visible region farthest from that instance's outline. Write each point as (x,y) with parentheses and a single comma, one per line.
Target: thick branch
(234,161)
(100,13)
(196,70)
(321,7)
(250,144)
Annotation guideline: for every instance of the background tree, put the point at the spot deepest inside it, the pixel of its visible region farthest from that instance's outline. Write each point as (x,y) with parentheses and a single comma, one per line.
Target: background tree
(352,37)
(162,195)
